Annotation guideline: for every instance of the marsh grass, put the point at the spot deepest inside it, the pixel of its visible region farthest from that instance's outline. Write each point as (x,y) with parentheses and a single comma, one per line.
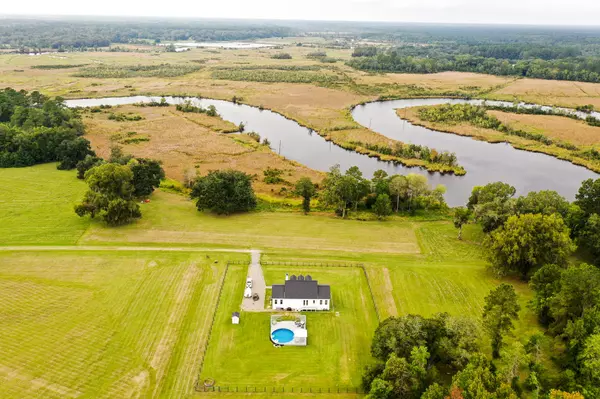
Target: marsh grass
(58,66)
(275,75)
(132,71)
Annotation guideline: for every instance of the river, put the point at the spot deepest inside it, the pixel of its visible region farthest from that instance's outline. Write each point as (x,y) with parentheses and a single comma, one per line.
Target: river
(484,162)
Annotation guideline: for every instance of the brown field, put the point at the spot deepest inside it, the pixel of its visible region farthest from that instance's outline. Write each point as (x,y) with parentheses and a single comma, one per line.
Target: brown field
(556,127)
(439,81)
(551,92)
(324,109)
(189,142)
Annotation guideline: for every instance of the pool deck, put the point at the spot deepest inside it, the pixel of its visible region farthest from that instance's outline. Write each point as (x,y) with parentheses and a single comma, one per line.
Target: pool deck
(297,326)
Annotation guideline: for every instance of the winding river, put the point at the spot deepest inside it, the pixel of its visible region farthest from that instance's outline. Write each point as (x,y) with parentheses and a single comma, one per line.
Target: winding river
(484,162)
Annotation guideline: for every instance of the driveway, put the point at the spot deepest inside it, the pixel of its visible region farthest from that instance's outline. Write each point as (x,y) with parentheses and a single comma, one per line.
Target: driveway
(258,285)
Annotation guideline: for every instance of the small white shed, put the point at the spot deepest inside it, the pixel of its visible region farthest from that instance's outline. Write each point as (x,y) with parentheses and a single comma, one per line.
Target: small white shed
(235,318)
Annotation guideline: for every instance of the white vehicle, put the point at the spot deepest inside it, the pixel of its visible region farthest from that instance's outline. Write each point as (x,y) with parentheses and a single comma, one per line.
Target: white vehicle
(249,282)
(248,292)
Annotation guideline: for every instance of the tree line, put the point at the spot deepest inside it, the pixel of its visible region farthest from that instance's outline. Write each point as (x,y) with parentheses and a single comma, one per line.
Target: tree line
(582,68)
(82,34)
(414,355)
(532,237)
(36,129)
(230,191)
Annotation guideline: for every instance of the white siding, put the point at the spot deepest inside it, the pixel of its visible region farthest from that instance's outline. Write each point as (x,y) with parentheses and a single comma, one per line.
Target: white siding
(301,304)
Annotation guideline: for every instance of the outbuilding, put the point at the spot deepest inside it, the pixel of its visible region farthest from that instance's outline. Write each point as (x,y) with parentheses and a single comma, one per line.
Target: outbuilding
(235,318)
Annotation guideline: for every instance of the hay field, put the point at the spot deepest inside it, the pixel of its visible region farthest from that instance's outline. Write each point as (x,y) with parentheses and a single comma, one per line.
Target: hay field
(104,324)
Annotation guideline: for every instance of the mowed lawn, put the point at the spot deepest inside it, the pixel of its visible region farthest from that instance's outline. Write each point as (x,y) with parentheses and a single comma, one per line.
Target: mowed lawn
(36,206)
(105,324)
(338,345)
(447,276)
(171,218)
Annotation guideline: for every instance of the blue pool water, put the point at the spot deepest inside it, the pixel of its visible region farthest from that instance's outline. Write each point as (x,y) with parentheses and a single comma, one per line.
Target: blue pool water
(282,336)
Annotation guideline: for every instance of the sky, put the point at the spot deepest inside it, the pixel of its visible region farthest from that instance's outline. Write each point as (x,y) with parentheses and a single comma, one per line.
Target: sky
(539,12)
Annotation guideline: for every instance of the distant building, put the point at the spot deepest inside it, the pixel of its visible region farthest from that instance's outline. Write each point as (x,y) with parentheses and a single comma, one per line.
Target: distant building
(235,318)
(301,293)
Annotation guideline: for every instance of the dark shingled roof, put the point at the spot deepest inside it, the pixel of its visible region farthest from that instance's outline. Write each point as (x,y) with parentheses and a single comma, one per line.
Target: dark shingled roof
(301,289)
(235,314)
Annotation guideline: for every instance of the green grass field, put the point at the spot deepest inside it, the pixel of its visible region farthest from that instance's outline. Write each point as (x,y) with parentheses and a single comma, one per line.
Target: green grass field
(338,346)
(36,206)
(104,324)
(174,219)
(116,323)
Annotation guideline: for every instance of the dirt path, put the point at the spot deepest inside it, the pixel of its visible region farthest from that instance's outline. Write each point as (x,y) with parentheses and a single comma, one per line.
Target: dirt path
(117,248)
(258,285)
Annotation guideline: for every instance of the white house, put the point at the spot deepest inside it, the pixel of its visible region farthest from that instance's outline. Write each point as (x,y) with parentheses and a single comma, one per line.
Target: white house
(235,318)
(301,293)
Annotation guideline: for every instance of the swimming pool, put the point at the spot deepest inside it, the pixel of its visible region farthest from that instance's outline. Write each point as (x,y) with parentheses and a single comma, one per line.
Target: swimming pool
(282,335)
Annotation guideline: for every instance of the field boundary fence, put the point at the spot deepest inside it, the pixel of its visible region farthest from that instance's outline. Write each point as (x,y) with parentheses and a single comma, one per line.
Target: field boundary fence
(280,389)
(200,386)
(312,264)
(212,322)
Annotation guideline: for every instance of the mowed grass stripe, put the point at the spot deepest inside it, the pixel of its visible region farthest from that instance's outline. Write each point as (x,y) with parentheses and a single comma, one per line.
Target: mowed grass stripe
(182,373)
(97,324)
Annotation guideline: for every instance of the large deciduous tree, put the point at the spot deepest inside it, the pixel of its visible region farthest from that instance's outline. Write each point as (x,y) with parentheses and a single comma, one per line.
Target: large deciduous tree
(339,190)
(492,204)
(545,283)
(382,206)
(500,309)
(589,359)
(478,380)
(224,192)
(147,175)
(544,202)
(110,195)
(461,217)
(70,152)
(527,242)
(307,190)
(398,189)
(588,197)
(497,191)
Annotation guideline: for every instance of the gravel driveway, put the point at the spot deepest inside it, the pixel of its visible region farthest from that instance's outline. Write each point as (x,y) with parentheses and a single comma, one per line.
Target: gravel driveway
(258,285)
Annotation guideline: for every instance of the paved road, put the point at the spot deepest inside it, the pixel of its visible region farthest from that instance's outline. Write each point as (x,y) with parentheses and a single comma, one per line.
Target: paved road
(258,285)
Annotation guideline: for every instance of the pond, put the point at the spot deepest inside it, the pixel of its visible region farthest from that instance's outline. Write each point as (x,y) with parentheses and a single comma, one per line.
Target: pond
(484,162)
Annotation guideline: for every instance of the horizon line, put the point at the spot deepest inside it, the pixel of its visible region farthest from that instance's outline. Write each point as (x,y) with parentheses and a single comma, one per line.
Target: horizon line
(188,18)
